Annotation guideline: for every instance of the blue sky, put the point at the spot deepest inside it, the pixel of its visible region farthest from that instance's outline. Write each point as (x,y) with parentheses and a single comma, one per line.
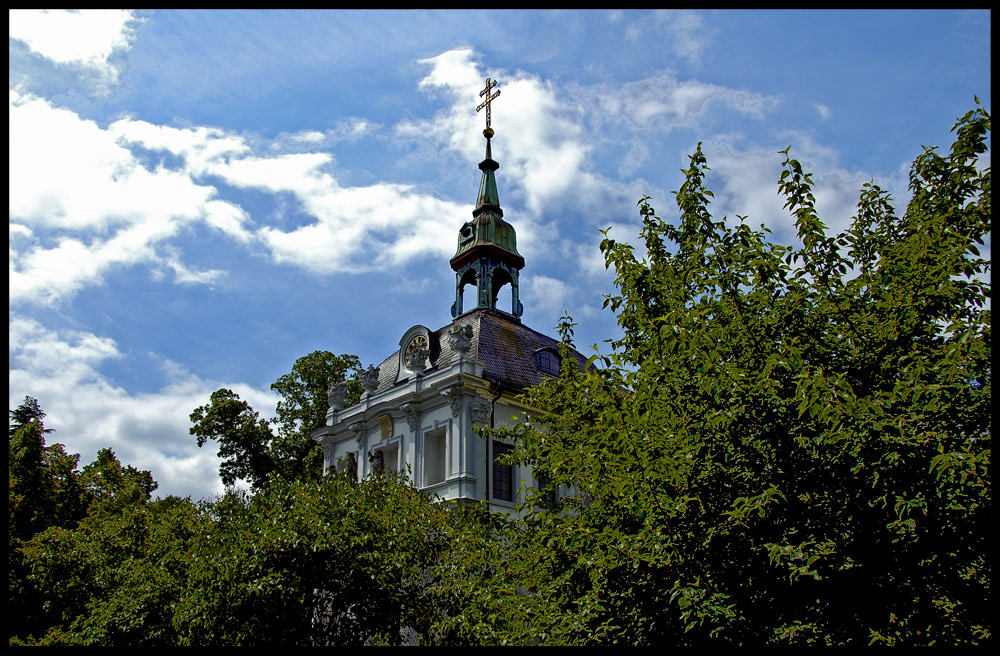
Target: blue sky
(199,198)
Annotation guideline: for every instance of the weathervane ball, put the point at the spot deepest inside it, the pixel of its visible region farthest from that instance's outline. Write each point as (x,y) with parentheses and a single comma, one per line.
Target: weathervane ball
(488,133)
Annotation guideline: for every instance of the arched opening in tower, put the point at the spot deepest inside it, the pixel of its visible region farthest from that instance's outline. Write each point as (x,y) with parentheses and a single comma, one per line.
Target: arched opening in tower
(503,291)
(468,290)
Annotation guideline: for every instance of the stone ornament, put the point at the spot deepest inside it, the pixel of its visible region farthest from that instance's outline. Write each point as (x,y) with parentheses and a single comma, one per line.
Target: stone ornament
(453,394)
(410,411)
(359,432)
(480,411)
(335,395)
(369,379)
(460,339)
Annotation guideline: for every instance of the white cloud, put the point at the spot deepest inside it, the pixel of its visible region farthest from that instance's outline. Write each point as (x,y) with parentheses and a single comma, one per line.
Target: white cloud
(202,148)
(673,103)
(355,228)
(824,112)
(184,275)
(682,32)
(85,39)
(549,295)
(92,204)
(367,228)
(88,412)
(744,178)
(102,208)
(542,146)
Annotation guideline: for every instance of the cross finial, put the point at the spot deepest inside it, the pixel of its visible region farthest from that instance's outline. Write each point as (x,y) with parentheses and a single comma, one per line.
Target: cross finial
(488,132)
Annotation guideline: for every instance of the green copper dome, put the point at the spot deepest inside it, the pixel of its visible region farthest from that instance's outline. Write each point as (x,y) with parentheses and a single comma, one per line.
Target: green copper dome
(487,230)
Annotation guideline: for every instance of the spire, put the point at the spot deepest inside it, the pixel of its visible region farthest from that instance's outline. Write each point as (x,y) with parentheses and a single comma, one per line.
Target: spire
(488,198)
(487,254)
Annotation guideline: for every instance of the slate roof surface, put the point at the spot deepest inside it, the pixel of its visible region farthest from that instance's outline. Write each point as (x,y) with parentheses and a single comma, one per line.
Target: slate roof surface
(504,345)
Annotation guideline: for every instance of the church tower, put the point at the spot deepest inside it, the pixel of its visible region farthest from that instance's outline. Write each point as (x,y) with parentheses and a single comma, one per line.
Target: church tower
(425,404)
(487,256)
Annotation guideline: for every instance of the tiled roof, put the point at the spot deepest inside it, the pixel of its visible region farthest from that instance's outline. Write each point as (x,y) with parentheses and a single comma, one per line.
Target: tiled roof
(505,346)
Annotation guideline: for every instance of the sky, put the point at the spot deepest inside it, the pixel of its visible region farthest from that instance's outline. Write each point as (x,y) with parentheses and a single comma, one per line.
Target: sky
(199,198)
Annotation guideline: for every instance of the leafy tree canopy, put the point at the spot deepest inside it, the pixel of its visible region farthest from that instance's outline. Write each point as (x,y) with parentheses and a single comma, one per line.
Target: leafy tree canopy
(789,444)
(247,446)
(303,408)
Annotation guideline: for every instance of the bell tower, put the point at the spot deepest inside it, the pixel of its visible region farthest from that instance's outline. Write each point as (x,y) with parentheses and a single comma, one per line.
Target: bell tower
(487,256)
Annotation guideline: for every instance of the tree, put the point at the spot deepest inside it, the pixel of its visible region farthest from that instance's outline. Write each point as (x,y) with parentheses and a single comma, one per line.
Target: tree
(248,447)
(109,486)
(303,408)
(789,444)
(116,578)
(29,410)
(244,439)
(322,562)
(44,491)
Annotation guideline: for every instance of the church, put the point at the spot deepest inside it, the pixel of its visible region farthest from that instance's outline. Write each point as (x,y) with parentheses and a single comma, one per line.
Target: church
(421,404)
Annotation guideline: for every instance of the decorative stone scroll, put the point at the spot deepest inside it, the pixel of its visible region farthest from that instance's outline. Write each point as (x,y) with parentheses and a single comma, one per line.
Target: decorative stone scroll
(410,410)
(359,432)
(454,395)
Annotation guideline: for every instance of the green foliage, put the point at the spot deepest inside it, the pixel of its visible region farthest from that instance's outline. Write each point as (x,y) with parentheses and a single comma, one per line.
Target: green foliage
(111,486)
(303,407)
(788,445)
(29,411)
(116,578)
(312,562)
(320,562)
(244,439)
(475,593)
(247,446)
(48,497)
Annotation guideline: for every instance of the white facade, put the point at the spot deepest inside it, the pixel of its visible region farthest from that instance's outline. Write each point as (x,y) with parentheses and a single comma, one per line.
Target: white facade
(422,404)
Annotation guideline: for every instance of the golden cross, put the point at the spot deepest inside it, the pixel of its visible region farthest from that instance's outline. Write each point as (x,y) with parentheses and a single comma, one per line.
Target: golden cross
(489,98)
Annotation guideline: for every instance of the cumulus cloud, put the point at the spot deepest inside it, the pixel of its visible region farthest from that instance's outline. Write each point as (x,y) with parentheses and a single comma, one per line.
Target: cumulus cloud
(92,205)
(546,155)
(63,370)
(744,178)
(88,193)
(367,228)
(84,41)
(352,228)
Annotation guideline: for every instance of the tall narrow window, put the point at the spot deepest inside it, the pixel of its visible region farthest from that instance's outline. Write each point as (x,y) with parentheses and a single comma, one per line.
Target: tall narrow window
(503,475)
(434,457)
(390,456)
